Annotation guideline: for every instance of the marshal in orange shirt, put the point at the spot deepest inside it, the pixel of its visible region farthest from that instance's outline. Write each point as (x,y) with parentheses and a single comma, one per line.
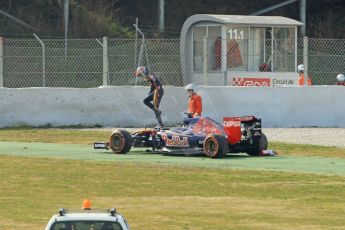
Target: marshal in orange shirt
(195,105)
(301,79)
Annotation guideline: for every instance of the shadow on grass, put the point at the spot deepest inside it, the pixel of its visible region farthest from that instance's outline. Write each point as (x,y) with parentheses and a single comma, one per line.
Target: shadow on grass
(200,155)
(144,154)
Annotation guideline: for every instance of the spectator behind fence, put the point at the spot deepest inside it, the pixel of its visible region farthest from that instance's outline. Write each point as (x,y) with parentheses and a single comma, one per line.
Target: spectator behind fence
(341,79)
(264,67)
(300,69)
(234,58)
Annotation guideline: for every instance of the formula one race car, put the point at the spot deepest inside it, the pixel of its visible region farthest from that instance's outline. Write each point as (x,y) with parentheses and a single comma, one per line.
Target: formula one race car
(197,135)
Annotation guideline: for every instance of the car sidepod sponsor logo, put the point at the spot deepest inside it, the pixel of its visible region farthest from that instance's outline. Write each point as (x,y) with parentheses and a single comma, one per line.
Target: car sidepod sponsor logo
(175,141)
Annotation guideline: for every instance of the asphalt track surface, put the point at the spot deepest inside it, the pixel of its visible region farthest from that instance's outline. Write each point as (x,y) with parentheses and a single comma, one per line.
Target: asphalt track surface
(315,165)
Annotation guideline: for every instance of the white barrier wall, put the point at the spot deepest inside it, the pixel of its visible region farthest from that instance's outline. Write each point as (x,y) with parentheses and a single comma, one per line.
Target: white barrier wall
(320,106)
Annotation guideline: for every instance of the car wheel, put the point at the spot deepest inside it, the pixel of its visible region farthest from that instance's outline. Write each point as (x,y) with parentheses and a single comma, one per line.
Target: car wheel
(261,145)
(215,146)
(120,141)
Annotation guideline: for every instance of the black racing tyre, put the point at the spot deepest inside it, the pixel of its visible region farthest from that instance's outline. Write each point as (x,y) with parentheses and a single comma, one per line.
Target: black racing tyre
(215,146)
(262,145)
(120,141)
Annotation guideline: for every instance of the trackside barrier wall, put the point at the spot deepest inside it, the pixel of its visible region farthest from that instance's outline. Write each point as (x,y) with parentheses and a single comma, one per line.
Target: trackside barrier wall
(122,106)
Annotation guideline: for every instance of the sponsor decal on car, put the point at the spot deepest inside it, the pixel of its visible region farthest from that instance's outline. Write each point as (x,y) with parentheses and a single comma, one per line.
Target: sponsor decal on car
(100,145)
(245,118)
(241,119)
(233,123)
(175,141)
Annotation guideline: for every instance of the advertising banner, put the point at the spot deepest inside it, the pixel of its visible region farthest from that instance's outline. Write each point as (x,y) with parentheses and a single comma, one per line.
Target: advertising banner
(262,79)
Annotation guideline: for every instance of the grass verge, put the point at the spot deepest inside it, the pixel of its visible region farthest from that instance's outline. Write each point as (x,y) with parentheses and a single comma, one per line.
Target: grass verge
(163,197)
(166,197)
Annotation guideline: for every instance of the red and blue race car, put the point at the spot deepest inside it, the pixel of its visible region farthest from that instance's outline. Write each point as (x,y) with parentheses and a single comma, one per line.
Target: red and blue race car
(197,135)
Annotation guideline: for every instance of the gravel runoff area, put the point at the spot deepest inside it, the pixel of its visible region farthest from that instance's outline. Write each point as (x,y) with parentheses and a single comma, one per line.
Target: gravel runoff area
(312,136)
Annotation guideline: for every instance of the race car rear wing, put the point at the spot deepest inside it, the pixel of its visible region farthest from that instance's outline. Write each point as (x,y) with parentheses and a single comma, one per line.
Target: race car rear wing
(235,127)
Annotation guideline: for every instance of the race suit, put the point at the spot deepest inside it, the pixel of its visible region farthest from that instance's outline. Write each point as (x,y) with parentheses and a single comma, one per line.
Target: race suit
(155,95)
(195,105)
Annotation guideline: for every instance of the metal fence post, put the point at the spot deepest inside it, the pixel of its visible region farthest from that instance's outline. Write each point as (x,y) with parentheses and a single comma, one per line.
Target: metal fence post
(105,62)
(136,44)
(205,63)
(141,49)
(272,50)
(305,60)
(225,73)
(1,62)
(43,60)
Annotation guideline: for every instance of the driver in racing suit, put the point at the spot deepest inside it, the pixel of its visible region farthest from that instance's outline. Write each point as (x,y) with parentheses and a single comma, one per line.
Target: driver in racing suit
(156,92)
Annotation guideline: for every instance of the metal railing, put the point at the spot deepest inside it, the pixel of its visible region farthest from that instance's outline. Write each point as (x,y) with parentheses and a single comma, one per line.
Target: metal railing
(109,61)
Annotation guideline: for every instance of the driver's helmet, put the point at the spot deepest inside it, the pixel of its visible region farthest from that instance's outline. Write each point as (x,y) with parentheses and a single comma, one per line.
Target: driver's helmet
(190,87)
(142,71)
(300,68)
(340,79)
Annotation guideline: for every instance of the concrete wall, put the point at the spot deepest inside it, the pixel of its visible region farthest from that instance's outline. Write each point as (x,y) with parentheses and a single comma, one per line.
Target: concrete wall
(320,106)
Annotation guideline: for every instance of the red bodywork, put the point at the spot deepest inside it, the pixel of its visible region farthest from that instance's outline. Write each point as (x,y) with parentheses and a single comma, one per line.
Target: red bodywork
(232,127)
